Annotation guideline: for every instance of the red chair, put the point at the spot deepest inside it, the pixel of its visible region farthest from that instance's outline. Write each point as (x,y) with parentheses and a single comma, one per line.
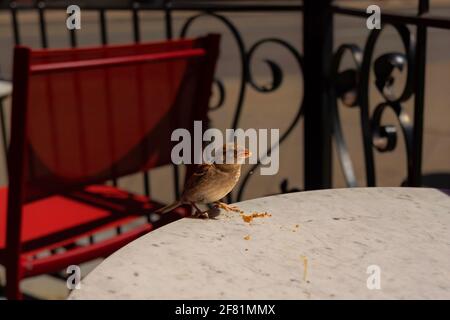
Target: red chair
(82,117)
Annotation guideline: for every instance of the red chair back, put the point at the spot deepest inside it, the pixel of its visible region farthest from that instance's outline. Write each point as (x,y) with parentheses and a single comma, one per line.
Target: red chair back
(83,116)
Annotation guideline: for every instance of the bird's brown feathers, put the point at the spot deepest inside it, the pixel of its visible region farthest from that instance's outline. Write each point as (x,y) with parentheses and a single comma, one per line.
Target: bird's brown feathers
(209,183)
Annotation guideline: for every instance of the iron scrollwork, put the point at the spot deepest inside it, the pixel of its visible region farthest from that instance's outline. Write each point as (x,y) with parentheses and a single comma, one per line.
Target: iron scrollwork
(352,87)
(277,79)
(246,57)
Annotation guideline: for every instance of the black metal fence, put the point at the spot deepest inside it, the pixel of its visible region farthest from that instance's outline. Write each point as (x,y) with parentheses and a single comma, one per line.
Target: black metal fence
(324,83)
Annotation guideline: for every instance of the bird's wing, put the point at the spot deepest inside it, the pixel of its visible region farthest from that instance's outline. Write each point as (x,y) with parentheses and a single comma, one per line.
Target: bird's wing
(200,172)
(200,175)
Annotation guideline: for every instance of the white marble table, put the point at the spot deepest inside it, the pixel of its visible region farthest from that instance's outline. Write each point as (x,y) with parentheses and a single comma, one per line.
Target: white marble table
(315,245)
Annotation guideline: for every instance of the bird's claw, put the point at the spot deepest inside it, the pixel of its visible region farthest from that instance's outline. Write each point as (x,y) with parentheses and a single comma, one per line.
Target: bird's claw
(204,215)
(201,214)
(227,207)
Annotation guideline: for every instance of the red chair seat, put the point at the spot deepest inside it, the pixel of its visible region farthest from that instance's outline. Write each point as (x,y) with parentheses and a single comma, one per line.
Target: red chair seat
(60,220)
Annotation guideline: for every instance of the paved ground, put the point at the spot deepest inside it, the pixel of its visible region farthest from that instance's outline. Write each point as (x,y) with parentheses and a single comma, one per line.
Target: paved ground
(270,110)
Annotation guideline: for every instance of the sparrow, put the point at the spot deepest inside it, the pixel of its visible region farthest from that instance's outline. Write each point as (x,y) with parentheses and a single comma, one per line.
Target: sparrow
(211,182)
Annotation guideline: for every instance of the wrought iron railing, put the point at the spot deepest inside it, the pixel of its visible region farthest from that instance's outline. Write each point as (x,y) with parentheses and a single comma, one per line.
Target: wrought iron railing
(324,83)
(383,138)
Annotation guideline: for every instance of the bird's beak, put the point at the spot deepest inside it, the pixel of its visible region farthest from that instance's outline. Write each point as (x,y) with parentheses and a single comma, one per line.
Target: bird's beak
(246,153)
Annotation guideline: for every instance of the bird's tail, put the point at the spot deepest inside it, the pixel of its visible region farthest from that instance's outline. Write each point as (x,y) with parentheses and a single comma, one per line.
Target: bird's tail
(169,207)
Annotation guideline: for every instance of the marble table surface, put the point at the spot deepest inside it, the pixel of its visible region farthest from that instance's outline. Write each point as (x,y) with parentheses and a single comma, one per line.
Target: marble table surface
(363,243)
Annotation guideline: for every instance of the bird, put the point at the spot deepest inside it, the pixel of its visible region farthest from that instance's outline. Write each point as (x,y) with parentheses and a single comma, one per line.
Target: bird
(211,182)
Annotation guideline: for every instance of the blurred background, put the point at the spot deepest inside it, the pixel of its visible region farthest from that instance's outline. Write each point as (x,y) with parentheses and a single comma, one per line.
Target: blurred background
(274,109)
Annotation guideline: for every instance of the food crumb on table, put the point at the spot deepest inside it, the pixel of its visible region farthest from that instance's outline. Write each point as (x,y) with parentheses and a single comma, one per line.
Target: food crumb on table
(305,266)
(250,217)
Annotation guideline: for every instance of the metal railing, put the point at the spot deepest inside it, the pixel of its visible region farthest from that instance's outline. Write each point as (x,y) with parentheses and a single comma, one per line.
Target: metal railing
(324,84)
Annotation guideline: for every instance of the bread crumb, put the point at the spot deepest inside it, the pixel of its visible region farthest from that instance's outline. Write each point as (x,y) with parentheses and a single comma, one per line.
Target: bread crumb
(305,267)
(250,217)
(247,237)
